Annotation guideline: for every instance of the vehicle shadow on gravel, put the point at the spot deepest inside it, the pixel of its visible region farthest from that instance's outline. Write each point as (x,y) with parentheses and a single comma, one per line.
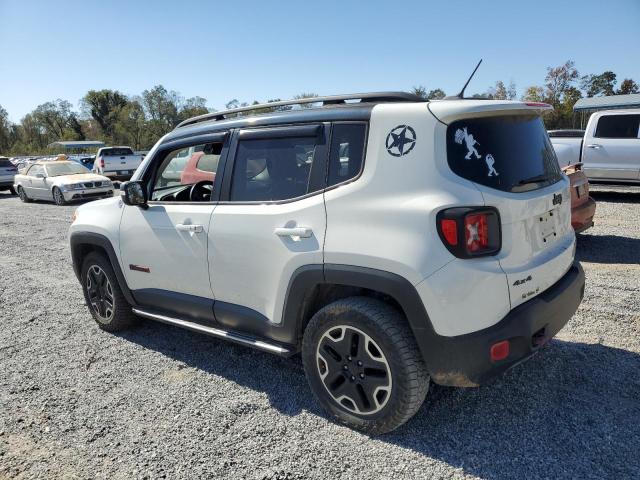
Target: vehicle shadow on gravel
(615,197)
(608,249)
(570,411)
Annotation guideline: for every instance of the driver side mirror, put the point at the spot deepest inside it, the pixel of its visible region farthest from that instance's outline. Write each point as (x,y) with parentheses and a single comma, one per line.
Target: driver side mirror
(133,194)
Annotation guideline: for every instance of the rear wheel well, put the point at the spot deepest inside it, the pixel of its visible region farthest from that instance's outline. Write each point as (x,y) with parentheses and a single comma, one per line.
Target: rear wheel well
(326,293)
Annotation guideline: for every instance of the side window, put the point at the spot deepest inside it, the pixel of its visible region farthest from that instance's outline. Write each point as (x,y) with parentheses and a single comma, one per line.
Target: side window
(269,169)
(181,168)
(35,170)
(618,126)
(347,151)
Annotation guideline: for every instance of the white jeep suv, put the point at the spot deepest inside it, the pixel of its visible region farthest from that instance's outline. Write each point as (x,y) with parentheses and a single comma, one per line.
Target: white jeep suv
(389,240)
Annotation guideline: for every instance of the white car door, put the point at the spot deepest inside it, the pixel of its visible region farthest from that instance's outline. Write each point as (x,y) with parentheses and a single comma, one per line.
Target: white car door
(271,220)
(612,148)
(164,247)
(37,183)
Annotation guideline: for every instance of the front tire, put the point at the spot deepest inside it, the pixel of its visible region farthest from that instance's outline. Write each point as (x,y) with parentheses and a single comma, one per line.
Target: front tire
(58,197)
(105,300)
(23,195)
(13,191)
(363,365)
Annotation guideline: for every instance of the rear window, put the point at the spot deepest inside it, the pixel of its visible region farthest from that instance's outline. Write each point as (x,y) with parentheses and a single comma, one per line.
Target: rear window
(618,126)
(4,162)
(511,153)
(115,152)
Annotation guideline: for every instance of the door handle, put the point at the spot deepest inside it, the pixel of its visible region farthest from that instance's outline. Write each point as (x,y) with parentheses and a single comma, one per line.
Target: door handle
(189,228)
(594,145)
(302,232)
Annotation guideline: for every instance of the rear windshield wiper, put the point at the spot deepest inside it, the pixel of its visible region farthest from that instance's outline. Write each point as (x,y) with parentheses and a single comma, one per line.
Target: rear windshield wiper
(536,179)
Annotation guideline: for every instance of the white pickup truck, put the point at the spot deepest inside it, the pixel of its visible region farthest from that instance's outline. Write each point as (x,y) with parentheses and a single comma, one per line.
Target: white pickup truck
(116,162)
(609,148)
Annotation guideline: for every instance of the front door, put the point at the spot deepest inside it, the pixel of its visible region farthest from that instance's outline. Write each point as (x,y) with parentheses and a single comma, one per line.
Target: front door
(271,220)
(37,187)
(164,248)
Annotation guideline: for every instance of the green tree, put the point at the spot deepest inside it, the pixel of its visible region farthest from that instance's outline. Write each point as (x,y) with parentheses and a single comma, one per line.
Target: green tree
(533,94)
(304,95)
(104,108)
(627,87)
(558,79)
(512,92)
(436,94)
(420,91)
(5,131)
(161,108)
(597,85)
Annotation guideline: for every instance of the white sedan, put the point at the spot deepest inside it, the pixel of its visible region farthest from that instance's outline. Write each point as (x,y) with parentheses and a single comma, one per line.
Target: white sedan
(61,182)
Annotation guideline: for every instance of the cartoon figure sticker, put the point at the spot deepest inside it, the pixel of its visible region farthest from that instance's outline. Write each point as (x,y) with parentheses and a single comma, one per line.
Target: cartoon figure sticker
(463,135)
(490,161)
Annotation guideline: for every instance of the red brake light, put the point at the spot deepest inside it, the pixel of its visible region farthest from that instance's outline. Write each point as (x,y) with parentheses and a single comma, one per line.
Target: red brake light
(476,232)
(538,104)
(449,229)
(499,351)
(101,162)
(469,232)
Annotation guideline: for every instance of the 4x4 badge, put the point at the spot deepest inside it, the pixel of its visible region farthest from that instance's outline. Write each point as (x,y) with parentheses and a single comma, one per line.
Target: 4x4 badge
(401,140)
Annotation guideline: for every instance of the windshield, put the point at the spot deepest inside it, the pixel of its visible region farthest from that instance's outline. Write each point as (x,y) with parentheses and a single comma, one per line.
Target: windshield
(511,153)
(55,169)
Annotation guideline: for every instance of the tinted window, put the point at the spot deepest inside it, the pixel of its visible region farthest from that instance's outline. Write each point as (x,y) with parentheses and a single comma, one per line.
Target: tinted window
(4,162)
(618,126)
(272,169)
(117,152)
(509,153)
(347,151)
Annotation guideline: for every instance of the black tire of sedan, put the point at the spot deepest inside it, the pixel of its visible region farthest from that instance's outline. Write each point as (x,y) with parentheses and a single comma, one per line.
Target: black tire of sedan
(106,302)
(363,364)
(23,195)
(58,197)
(13,191)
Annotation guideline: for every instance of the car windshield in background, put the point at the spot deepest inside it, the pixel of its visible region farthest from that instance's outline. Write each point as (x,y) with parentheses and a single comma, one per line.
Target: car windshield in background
(115,152)
(66,168)
(511,153)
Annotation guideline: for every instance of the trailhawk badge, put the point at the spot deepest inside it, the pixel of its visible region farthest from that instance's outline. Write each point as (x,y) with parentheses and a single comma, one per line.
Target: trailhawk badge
(401,140)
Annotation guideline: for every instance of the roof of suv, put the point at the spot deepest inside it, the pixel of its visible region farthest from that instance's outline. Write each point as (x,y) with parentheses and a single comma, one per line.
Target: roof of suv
(337,107)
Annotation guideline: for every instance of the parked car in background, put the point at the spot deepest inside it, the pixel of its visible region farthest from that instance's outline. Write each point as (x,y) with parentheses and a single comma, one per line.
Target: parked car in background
(116,162)
(201,166)
(609,148)
(61,182)
(7,173)
(583,207)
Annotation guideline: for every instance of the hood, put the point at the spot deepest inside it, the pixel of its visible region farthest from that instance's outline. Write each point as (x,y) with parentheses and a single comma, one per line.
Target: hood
(78,178)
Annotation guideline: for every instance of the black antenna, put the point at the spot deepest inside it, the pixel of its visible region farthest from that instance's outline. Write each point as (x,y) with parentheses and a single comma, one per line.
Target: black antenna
(461,94)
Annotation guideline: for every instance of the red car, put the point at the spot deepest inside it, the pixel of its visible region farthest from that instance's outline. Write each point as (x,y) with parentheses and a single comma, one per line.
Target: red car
(583,207)
(200,167)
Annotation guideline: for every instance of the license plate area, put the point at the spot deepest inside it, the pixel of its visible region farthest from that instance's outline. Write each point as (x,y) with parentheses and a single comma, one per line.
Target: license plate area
(547,226)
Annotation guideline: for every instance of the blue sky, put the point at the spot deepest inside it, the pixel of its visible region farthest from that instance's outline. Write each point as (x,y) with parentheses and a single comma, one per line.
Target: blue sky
(259,50)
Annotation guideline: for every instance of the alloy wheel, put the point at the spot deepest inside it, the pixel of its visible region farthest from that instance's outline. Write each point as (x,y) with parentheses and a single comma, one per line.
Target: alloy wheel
(100,294)
(354,370)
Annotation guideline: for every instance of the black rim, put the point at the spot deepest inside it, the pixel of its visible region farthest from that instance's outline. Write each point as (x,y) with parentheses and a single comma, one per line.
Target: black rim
(100,293)
(354,370)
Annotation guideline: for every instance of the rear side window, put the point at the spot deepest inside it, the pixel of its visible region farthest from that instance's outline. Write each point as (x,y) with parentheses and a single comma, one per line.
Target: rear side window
(347,152)
(510,153)
(114,152)
(618,126)
(272,169)
(4,162)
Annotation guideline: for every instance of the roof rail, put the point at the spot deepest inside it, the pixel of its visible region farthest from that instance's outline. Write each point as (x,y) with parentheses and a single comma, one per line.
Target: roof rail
(374,97)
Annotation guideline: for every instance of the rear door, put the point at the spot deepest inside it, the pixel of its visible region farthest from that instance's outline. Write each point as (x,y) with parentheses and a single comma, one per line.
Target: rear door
(271,220)
(511,161)
(612,148)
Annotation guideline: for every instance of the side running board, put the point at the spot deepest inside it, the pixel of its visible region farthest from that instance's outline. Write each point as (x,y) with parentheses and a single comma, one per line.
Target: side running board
(216,332)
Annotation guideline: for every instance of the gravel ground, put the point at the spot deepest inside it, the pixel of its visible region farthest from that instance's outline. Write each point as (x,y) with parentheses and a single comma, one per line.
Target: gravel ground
(76,402)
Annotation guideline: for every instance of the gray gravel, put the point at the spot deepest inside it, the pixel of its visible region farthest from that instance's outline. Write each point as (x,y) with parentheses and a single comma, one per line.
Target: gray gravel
(76,402)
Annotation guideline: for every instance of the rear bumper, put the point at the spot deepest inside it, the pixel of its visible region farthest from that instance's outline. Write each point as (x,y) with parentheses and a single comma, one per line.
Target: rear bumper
(582,215)
(465,360)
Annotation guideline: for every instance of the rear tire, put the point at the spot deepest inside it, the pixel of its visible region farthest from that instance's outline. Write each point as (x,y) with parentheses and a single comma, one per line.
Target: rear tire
(58,197)
(23,195)
(13,191)
(374,386)
(105,300)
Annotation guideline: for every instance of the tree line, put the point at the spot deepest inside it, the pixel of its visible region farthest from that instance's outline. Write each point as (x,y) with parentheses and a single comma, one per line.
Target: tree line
(140,120)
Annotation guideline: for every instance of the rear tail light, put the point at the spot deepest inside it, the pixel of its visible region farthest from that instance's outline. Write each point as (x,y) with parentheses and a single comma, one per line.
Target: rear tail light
(101,162)
(470,232)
